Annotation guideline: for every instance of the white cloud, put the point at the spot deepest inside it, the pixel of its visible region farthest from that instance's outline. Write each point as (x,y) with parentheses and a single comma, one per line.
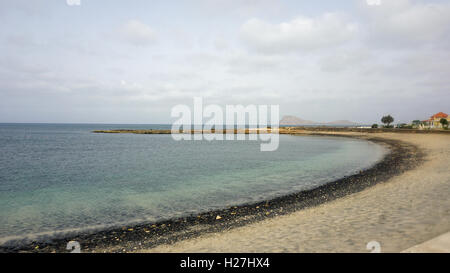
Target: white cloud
(342,60)
(214,51)
(137,33)
(221,44)
(405,23)
(302,33)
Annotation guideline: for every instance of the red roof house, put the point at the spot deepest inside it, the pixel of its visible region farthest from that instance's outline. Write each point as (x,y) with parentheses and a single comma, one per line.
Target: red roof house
(439,116)
(435,120)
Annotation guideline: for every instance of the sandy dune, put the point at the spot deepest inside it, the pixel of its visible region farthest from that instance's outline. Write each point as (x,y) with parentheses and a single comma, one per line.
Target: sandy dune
(407,210)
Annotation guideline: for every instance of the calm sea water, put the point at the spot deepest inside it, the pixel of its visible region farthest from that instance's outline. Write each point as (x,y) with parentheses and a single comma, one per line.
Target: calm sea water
(56,178)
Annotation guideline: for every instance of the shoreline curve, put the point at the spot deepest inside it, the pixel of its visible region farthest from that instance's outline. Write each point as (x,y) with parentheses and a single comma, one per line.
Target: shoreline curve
(401,157)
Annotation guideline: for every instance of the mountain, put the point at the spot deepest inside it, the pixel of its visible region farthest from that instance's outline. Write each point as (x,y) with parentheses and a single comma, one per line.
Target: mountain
(293,120)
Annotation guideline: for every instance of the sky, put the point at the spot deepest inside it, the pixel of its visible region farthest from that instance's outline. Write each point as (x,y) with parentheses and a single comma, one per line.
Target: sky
(111,61)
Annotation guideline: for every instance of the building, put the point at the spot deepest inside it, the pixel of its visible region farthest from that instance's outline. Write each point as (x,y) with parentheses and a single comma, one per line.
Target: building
(435,120)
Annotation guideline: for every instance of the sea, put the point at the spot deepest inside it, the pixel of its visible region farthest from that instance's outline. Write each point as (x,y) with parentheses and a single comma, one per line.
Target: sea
(63,178)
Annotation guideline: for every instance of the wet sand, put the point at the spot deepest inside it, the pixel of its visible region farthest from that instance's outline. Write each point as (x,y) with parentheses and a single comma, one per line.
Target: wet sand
(407,209)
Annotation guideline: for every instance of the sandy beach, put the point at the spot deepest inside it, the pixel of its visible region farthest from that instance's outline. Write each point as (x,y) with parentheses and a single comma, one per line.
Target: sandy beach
(400,202)
(408,209)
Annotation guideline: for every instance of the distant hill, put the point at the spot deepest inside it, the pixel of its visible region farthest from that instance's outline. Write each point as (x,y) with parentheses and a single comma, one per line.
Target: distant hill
(293,120)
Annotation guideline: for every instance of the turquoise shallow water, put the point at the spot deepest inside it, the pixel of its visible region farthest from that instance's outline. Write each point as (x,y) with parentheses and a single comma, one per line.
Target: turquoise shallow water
(57,178)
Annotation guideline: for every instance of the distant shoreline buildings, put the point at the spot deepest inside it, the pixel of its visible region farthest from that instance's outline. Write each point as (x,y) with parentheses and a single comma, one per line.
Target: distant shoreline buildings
(434,122)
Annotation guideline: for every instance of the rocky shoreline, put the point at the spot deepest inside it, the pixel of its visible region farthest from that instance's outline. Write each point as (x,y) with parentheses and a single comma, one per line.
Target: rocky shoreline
(402,157)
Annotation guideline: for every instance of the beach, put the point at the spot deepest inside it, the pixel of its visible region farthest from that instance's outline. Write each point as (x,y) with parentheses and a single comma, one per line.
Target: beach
(409,208)
(400,202)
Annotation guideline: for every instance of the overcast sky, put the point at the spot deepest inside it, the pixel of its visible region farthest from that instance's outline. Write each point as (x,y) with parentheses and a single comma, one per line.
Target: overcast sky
(131,61)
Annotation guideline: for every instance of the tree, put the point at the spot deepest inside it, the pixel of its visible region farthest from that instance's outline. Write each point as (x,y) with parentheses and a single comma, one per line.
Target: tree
(444,122)
(416,123)
(374,126)
(387,120)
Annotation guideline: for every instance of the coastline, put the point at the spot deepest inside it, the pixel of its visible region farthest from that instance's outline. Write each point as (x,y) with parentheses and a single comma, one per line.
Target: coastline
(410,208)
(144,237)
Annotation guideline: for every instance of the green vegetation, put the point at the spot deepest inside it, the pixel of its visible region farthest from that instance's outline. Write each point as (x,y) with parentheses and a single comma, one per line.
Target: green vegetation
(387,120)
(404,126)
(416,123)
(374,126)
(444,123)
